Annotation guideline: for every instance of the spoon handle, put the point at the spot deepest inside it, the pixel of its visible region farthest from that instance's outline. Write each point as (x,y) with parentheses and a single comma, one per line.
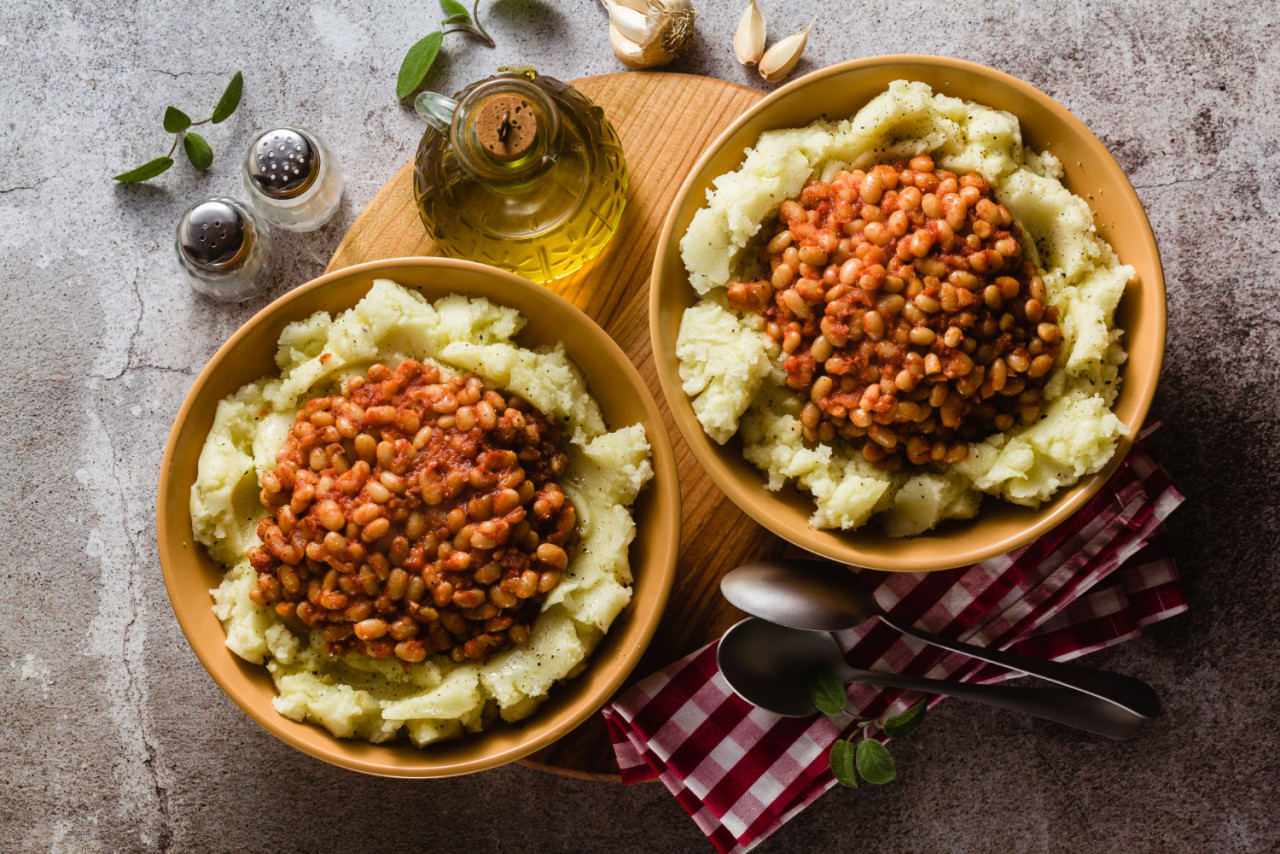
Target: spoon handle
(1060,705)
(1129,693)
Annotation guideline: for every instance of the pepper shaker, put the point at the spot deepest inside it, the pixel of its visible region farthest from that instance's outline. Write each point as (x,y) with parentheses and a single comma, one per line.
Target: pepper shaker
(224,249)
(293,179)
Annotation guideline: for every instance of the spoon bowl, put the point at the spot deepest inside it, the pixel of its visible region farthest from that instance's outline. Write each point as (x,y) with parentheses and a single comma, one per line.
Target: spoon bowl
(817,595)
(768,665)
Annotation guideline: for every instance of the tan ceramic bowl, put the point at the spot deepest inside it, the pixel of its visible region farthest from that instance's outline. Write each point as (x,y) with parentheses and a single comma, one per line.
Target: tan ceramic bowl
(1091,173)
(189,573)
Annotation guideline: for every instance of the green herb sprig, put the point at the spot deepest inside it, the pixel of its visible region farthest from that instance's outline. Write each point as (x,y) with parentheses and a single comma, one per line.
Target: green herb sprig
(194,145)
(418,61)
(868,758)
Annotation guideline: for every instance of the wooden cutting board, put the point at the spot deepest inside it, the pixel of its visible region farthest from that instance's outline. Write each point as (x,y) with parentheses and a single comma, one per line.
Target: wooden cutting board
(665,121)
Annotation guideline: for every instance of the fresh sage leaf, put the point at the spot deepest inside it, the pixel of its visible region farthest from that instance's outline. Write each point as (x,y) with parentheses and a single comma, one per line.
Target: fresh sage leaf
(175,120)
(198,151)
(874,762)
(454,9)
(229,101)
(842,764)
(145,171)
(827,691)
(906,722)
(417,62)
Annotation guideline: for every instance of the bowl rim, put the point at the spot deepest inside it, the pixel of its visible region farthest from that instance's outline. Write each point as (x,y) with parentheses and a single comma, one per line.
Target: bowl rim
(667,501)
(1064,505)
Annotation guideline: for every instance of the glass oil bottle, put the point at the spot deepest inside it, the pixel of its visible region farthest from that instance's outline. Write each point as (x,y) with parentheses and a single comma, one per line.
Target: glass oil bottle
(521,172)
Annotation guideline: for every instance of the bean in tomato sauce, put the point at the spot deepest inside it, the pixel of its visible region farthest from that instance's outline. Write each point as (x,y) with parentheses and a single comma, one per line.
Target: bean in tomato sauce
(910,322)
(413,515)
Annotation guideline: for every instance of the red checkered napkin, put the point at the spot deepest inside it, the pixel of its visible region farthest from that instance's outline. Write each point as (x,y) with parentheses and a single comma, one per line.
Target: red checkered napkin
(742,772)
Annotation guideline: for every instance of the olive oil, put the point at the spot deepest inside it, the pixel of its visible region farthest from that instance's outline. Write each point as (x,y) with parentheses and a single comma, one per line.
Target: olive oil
(521,172)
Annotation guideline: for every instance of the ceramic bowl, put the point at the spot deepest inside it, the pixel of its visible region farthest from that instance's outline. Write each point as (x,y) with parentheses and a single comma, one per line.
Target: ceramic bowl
(1091,173)
(189,573)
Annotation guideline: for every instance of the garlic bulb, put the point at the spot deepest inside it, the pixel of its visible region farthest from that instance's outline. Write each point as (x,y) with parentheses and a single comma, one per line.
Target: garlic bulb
(748,42)
(649,33)
(779,60)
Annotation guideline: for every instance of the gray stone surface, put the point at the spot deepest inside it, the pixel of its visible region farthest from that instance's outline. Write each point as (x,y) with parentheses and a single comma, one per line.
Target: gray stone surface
(115,739)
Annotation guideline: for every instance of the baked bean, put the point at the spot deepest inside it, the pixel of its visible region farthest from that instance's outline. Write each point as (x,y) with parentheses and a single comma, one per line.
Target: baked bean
(922,335)
(877,233)
(366,448)
(872,188)
(928,304)
(410,651)
(392,481)
(330,515)
(926,314)
(920,243)
(553,556)
(796,304)
(1040,366)
(813,256)
(821,349)
(375,530)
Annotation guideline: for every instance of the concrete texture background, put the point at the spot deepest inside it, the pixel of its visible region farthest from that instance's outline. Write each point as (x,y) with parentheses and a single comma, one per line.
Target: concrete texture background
(115,739)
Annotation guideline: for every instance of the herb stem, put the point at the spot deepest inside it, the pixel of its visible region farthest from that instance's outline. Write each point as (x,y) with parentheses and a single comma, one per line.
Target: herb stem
(475,19)
(476,33)
(174,147)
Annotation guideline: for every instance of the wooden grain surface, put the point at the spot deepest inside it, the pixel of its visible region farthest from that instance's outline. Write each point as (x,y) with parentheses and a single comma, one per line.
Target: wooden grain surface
(665,121)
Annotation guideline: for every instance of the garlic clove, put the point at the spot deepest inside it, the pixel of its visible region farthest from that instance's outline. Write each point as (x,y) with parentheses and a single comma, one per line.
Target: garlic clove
(748,42)
(641,6)
(779,60)
(632,24)
(628,52)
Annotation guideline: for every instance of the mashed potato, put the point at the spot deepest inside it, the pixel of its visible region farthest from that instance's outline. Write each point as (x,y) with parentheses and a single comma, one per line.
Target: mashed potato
(358,696)
(734,373)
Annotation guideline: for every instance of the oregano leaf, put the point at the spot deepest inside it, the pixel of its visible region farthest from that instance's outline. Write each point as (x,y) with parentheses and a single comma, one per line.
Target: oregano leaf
(874,762)
(175,120)
(417,62)
(198,151)
(146,171)
(827,691)
(463,20)
(842,763)
(905,722)
(454,9)
(229,101)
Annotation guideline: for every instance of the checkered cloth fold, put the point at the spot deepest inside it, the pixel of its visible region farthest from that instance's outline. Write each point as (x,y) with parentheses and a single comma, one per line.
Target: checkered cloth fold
(742,772)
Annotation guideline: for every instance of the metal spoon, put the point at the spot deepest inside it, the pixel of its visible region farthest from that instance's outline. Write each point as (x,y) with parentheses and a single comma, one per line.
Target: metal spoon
(768,666)
(822,596)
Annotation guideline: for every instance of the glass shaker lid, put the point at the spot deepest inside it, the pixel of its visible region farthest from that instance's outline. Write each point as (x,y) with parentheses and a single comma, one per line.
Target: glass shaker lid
(213,235)
(283,163)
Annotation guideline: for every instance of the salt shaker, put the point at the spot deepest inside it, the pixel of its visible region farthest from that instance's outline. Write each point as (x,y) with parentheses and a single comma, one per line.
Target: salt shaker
(224,249)
(293,179)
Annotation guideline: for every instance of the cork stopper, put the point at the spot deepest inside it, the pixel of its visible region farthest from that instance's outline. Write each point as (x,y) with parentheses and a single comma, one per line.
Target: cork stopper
(506,126)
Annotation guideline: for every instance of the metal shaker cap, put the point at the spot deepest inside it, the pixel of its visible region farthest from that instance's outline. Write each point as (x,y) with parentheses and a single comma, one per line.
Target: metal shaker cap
(283,163)
(215,235)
